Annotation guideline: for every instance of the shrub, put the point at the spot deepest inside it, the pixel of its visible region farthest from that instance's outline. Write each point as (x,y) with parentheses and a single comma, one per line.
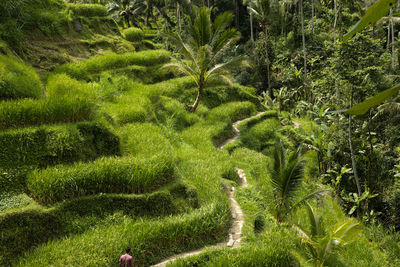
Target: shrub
(105,175)
(153,240)
(88,10)
(49,145)
(133,34)
(80,70)
(25,112)
(18,80)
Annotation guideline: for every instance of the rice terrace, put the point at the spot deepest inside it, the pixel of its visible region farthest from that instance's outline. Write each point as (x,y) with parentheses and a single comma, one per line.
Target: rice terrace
(199,133)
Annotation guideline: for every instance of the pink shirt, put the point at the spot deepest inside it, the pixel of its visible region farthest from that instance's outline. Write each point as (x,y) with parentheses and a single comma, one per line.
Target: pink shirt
(126,260)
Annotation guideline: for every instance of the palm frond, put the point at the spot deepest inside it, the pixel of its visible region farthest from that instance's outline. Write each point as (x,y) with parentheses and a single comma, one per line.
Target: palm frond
(182,67)
(346,232)
(315,221)
(304,199)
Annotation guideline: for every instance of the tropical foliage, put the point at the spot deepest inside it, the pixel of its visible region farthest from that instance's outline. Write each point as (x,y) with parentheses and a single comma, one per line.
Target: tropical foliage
(203,48)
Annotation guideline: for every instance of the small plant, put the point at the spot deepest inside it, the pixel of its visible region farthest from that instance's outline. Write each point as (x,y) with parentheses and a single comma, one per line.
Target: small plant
(287,177)
(320,243)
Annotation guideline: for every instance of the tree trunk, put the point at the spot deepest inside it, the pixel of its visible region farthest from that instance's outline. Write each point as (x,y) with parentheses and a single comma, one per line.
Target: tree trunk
(178,17)
(146,20)
(388,37)
(304,45)
(393,47)
(251,27)
(353,160)
(236,13)
(371,146)
(312,16)
(271,95)
(199,94)
(335,19)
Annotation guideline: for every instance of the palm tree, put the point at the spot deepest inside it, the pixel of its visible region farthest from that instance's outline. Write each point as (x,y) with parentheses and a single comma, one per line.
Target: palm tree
(304,46)
(130,11)
(248,3)
(202,49)
(319,243)
(287,177)
(261,10)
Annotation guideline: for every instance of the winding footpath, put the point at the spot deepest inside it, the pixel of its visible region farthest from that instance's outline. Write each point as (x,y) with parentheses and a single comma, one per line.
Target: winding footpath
(235,232)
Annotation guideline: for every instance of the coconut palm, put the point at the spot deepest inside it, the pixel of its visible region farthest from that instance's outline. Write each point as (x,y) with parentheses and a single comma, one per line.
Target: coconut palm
(129,11)
(202,48)
(287,178)
(320,243)
(261,11)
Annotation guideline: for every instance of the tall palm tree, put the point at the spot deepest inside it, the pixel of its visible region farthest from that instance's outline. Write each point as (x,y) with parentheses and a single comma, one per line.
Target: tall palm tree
(286,180)
(304,45)
(202,48)
(249,3)
(129,11)
(319,243)
(261,10)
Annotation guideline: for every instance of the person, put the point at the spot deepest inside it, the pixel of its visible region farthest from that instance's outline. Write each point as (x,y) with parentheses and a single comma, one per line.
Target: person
(126,260)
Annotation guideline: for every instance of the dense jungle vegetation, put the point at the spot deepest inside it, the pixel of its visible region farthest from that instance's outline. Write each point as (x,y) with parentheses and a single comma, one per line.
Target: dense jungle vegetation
(113,114)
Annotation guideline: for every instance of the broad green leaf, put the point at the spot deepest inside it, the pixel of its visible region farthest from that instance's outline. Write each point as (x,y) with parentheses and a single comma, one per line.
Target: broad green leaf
(371,102)
(373,14)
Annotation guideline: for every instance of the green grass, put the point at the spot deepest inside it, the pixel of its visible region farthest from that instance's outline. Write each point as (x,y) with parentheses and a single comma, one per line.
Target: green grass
(49,145)
(128,110)
(26,228)
(68,101)
(133,34)
(174,113)
(61,85)
(21,18)
(105,175)
(152,240)
(144,139)
(80,70)
(143,74)
(88,10)
(262,135)
(215,96)
(265,253)
(27,112)
(13,201)
(17,80)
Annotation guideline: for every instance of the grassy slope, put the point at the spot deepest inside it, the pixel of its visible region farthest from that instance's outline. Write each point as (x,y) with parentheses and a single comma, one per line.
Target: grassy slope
(145,110)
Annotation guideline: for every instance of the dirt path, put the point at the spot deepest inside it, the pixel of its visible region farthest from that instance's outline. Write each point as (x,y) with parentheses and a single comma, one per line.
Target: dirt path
(235,231)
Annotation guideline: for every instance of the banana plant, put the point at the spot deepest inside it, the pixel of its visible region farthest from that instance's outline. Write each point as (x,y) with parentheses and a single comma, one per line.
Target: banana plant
(357,200)
(321,243)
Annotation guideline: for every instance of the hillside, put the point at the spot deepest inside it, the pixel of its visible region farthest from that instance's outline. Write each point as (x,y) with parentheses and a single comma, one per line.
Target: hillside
(99,151)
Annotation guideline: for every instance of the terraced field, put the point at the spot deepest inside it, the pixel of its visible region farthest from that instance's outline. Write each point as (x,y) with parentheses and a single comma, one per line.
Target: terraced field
(101,153)
(103,156)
